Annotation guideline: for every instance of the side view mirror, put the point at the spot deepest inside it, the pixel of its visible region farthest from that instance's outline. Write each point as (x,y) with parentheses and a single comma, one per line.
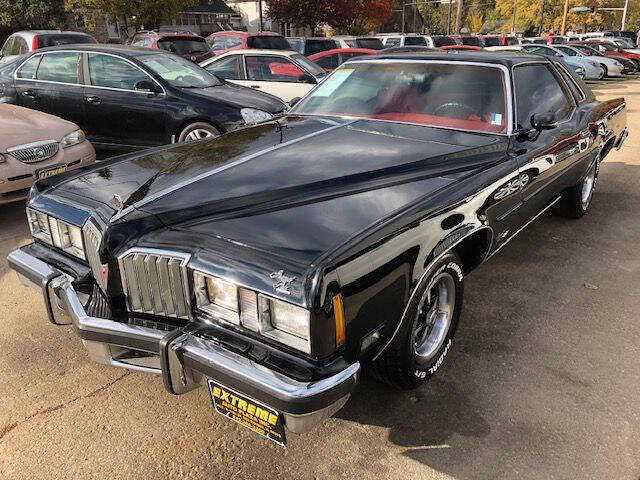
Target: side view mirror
(293,101)
(543,121)
(146,86)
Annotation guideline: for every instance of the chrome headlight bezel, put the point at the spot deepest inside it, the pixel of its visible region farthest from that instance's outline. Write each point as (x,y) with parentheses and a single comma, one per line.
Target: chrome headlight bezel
(241,307)
(57,233)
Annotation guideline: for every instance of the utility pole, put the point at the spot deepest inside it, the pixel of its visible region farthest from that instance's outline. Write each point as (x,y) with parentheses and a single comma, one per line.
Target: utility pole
(449,18)
(415,15)
(459,16)
(260,13)
(403,5)
(624,14)
(513,18)
(541,19)
(564,17)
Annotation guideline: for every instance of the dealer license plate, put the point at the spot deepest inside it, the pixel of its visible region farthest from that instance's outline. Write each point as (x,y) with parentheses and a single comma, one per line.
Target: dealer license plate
(263,420)
(50,172)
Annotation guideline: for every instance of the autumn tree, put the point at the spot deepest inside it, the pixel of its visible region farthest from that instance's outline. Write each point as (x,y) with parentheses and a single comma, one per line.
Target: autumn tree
(22,14)
(357,17)
(302,13)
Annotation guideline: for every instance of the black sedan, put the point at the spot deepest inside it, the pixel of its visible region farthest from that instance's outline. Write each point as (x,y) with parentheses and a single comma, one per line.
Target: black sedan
(127,98)
(270,264)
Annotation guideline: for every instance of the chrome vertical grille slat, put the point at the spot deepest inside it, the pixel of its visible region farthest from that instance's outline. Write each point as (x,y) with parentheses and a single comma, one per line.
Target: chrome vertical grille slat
(34,152)
(155,282)
(92,240)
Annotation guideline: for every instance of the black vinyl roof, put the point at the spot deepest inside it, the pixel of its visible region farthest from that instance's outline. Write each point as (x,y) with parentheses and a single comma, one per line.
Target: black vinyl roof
(506,57)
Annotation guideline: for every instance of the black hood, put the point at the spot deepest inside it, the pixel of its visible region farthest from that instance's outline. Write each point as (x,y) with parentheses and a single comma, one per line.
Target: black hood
(241,97)
(297,187)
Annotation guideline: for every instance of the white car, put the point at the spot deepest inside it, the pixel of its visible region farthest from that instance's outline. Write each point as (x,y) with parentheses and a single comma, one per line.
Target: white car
(283,73)
(612,67)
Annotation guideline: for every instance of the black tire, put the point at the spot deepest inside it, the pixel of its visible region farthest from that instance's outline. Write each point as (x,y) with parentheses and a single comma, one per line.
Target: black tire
(575,202)
(606,70)
(401,365)
(198,130)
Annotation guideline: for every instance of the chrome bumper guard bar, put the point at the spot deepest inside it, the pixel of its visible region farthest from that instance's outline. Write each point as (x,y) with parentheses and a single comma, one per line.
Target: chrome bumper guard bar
(186,360)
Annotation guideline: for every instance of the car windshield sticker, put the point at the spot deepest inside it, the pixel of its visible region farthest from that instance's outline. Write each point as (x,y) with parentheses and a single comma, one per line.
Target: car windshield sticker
(496,119)
(334,81)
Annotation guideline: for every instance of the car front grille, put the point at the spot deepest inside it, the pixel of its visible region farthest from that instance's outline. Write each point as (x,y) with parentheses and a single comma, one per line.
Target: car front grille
(34,152)
(155,282)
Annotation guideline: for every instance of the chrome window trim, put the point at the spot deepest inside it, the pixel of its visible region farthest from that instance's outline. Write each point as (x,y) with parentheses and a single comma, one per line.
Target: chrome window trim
(584,96)
(508,94)
(89,85)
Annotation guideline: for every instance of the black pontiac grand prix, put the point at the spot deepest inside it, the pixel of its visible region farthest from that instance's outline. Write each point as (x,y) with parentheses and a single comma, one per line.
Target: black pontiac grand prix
(269,264)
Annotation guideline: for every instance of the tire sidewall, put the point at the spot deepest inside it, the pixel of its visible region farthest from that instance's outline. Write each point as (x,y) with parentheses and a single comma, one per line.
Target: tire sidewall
(451,264)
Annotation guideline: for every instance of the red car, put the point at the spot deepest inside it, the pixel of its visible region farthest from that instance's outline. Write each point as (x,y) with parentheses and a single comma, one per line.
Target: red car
(332,59)
(610,49)
(186,44)
(459,48)
(221,42)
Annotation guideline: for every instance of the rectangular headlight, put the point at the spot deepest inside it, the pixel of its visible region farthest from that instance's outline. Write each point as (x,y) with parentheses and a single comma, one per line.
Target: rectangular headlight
(284,322)
(67,237)
(217,297)
(39,226)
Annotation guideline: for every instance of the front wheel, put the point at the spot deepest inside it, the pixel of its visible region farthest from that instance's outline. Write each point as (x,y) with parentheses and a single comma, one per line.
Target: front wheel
(426,333)
(198,131)
(605,70)
(576,200)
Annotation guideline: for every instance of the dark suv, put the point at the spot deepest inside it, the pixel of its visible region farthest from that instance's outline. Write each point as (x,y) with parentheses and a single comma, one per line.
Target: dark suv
(220,42)
(29,40)
(312,45)
(186,44)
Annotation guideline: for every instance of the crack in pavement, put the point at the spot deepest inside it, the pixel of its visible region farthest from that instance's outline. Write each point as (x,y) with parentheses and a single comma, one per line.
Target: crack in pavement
(4,431)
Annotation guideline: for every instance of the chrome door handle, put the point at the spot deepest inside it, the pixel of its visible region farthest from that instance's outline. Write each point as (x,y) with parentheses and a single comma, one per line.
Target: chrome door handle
(29,93)
(93,99)
(254,86)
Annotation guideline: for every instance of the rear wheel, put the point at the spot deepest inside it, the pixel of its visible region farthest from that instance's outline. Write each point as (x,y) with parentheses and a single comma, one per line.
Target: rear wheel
(425,336)
(198,131)
(606,70)
(576,200)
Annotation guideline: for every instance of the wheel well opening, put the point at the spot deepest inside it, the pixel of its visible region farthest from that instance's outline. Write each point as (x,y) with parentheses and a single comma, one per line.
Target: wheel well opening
(191,121)
(607,148)
(473,249)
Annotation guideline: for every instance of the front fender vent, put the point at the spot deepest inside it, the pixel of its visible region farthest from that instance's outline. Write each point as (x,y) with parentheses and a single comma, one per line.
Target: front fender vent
(155,282)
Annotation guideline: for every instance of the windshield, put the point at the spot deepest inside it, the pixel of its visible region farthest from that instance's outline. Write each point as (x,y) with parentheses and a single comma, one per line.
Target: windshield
(184,46)
(268,42)
(371,43)
(568,51)
(179,72)
(442,41)
(428,93)
(52,40)
(313,68)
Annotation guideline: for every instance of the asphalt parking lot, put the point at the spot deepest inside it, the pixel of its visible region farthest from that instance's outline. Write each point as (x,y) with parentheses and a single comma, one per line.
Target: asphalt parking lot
(543,382)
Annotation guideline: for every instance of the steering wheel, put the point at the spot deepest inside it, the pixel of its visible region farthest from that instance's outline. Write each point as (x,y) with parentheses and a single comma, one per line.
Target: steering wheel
(455,110)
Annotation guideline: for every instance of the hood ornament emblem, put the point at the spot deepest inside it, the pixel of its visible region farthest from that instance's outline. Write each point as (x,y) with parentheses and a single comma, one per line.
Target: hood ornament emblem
(118,203)
(282,281)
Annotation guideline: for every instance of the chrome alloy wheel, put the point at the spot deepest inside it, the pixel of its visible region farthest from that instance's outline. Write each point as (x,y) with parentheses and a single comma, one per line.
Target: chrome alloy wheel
(588,185)
(199,134)
(434,316)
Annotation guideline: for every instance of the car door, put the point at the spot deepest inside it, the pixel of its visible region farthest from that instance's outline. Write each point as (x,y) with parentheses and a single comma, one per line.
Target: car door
(51,84)
(276,75)
(119,114)
(549,159)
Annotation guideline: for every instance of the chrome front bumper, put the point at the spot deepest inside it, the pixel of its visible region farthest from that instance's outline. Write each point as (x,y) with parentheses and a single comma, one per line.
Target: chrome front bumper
(184,360)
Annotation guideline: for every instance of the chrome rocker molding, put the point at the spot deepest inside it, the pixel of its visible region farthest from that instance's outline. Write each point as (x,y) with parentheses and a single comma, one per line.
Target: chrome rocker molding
(185,360)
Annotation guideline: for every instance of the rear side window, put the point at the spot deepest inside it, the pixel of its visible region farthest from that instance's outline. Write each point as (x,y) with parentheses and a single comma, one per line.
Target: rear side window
(491,41)
(183,46)
(371,43)
(59,67)
(19,47)
(7,46)
(328,62)
(314,46)
(228,67)
(351,43)
(269,42)
(54,39)
(233,42)
(29,68)
(114,72)
(142,42)
(297,44)
(474,41)
(511,40)
(415,41)
(538,91)
(571,83)
(392,42)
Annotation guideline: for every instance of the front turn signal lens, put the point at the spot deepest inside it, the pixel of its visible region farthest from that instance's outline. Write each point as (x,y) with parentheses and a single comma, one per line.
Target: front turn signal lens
(338,313)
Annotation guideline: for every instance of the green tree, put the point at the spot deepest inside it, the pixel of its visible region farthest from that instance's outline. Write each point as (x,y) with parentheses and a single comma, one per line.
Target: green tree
(23,14)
